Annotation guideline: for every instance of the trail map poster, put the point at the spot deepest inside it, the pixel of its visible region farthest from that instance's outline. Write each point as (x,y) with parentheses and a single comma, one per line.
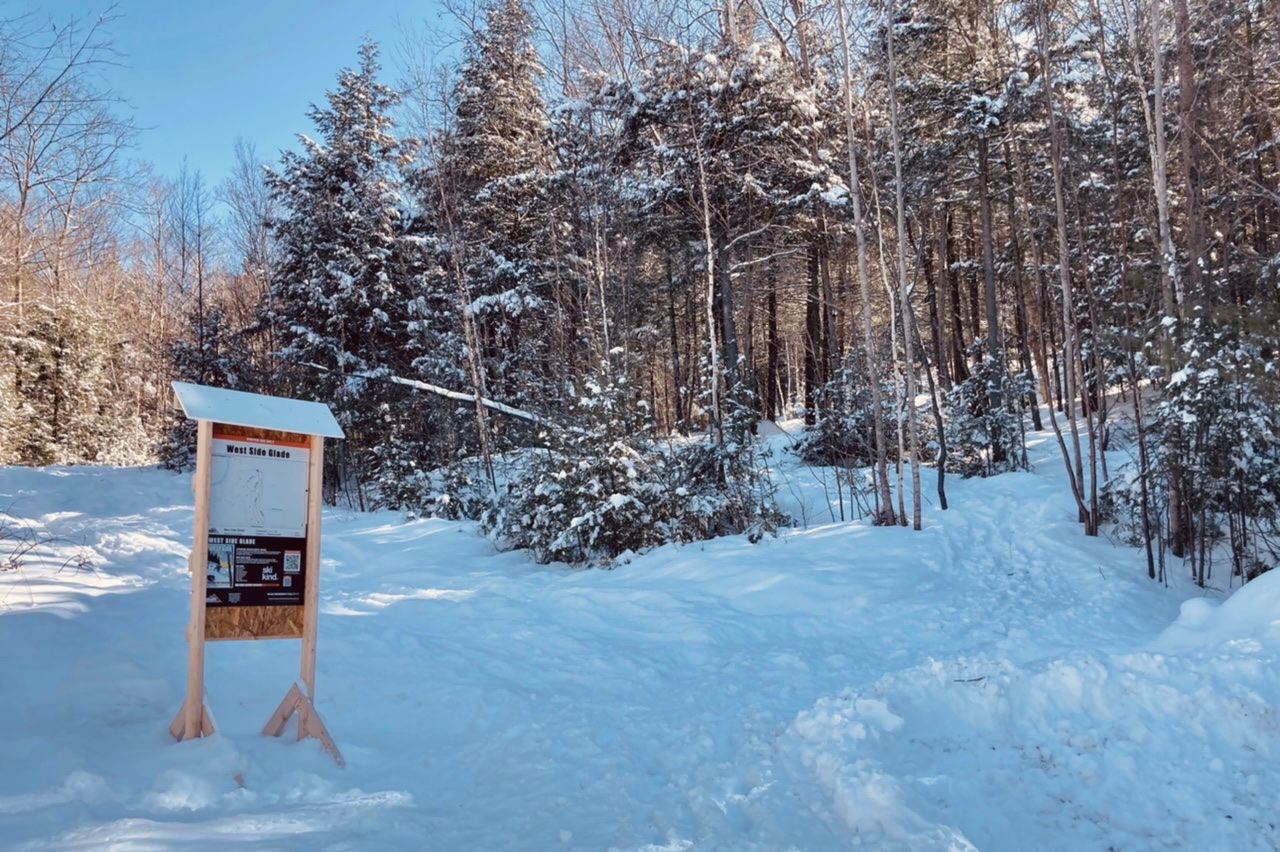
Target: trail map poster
(257,521)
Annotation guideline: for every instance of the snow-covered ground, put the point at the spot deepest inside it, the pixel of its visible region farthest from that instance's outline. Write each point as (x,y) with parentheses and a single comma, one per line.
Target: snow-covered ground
(996,681)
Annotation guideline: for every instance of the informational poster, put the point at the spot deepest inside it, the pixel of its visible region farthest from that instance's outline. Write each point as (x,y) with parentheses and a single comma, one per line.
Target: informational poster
(257,521)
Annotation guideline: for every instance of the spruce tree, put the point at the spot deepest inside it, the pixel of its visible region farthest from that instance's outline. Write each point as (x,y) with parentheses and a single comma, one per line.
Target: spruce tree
(489,195)
(337,302)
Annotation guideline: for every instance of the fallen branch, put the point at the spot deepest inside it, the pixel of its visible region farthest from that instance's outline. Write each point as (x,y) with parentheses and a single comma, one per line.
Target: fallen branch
(461,396)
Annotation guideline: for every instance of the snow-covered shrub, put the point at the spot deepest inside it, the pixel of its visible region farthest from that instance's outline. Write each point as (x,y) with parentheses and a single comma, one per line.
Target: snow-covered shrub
(842,433)
(1217,432)
(605,486)
(983,424)
(423,463)
(597,489)
(462,491)
(177,449)
(1120,504)
(724,487)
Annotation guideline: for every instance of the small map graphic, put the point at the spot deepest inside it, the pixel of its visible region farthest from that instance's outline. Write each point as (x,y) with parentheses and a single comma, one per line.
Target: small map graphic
(244,487)
(257,488)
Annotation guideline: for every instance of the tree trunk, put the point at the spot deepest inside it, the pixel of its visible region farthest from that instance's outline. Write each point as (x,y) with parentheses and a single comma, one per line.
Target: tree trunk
(716,425)
(1070,358)
(959,364)
(1180,533)
(1189,135)
(831,340)
(880,472)
(931,299)
(993,349)
(938,423)
(772,350)
(812,339)
(908,343)
(1022,329)
(677,376)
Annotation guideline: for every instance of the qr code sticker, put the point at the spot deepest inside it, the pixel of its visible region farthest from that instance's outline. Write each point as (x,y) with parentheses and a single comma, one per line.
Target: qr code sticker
(292,562)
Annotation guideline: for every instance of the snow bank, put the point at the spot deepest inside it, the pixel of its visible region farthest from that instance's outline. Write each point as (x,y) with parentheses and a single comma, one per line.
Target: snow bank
(1250,616)
(1087,752)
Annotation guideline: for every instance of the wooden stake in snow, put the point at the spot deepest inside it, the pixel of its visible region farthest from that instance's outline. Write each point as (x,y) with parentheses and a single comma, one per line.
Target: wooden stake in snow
(255,558)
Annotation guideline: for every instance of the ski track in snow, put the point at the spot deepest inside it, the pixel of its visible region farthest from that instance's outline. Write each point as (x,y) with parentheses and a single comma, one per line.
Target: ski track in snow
(996,681)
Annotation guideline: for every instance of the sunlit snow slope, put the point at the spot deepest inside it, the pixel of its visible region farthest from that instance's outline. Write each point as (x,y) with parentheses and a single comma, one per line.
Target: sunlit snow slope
(995,681)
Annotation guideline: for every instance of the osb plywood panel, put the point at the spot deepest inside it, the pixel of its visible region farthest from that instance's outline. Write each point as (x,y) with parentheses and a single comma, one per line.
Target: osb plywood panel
(253,622)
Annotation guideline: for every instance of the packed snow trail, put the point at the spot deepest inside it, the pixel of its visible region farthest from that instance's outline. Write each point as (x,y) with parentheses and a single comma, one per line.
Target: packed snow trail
(996,681)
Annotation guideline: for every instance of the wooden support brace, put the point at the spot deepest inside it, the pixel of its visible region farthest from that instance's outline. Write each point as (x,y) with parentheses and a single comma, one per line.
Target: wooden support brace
(280,718)
(207,725)
(310,725)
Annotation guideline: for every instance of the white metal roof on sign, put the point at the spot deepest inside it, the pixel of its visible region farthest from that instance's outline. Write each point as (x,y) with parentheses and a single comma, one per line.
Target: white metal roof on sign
(237,408)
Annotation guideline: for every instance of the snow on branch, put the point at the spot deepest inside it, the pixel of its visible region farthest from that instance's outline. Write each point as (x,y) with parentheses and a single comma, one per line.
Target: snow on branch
(461,396)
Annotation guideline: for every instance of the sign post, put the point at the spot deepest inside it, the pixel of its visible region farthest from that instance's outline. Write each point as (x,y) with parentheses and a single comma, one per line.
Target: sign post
(255,559)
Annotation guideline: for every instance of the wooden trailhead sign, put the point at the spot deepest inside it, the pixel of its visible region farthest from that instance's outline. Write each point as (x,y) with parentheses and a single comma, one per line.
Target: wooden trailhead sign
(255,557)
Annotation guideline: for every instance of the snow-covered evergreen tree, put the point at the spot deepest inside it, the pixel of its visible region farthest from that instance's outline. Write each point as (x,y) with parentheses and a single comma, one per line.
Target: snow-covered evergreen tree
(983,423)
(1218,434)
(338,300)
(424,434)
(69,381)
(488,191)
(723,150)
(598,490)
(842,433)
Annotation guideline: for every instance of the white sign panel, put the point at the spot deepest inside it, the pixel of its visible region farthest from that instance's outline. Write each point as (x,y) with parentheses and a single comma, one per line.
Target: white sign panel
(258,487)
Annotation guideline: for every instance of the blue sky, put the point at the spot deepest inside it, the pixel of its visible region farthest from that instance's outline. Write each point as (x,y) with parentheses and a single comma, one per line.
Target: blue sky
(199,73)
